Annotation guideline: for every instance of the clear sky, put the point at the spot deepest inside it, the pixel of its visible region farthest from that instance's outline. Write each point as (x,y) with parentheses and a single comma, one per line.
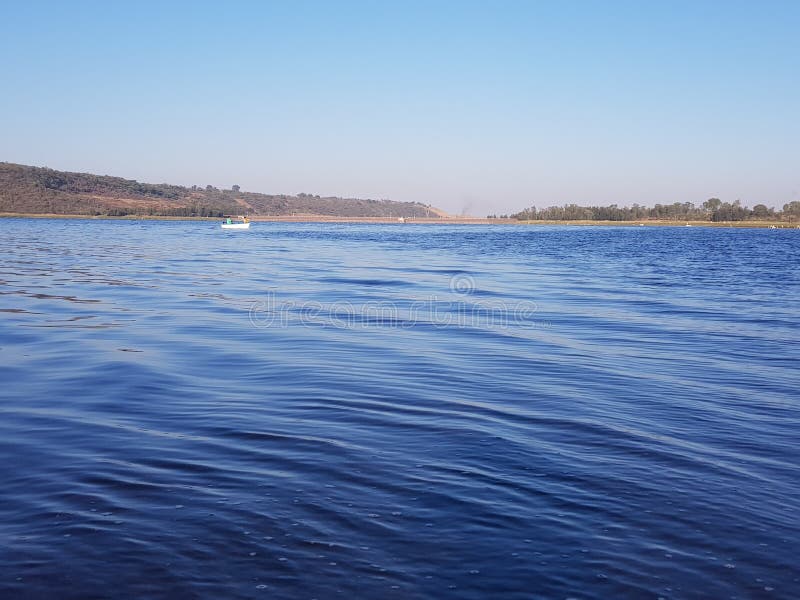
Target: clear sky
(470,106)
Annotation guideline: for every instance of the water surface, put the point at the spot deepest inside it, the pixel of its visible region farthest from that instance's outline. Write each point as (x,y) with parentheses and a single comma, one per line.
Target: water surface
(380,411)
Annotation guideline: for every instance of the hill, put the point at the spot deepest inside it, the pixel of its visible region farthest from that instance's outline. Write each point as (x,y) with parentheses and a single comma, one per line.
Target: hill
(37,190)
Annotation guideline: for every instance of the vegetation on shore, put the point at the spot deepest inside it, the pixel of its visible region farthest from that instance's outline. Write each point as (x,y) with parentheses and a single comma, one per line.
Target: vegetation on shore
(36,190)
(713,210)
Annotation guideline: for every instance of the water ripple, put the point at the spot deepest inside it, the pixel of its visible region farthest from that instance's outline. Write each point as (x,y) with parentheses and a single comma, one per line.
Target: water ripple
(403,412)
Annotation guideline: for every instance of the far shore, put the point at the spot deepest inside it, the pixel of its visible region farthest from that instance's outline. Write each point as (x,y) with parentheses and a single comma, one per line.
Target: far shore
(420,221)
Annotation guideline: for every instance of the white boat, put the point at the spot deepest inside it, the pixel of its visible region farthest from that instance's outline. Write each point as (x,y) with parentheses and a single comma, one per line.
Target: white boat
(243,224)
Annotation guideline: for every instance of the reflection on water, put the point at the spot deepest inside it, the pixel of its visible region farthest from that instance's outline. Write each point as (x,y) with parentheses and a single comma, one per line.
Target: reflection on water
(398,411)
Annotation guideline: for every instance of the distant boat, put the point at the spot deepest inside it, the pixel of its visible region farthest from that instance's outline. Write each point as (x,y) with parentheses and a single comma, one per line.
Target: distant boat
(243,224)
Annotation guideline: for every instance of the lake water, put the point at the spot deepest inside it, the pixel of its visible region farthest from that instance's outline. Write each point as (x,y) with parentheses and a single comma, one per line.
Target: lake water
(398,411)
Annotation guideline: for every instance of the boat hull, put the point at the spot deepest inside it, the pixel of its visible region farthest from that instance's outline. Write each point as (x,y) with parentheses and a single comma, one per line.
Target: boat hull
(235,225)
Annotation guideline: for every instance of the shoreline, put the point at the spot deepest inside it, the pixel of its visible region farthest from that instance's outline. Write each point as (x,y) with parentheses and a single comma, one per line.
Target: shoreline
(420,221)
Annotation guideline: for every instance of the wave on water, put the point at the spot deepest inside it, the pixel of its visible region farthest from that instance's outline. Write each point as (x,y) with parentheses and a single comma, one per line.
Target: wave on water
(314,410)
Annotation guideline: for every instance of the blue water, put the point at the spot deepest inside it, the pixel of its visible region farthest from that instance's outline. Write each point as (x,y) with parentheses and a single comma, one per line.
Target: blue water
(387,411)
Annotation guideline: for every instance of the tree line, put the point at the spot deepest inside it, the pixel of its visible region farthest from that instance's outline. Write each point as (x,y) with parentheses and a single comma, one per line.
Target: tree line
(712,209)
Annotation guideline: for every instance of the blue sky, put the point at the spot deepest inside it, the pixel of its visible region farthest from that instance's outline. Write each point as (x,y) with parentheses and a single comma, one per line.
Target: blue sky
(471,106)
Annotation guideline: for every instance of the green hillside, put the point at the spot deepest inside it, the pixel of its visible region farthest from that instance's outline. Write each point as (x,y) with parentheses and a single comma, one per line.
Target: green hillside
(36,190)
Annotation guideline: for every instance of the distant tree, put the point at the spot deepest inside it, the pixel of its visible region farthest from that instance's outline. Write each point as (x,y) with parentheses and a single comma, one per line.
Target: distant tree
(209,188)
(792,209)
(730,212)
(760,211)
(712,204)
(235,188)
